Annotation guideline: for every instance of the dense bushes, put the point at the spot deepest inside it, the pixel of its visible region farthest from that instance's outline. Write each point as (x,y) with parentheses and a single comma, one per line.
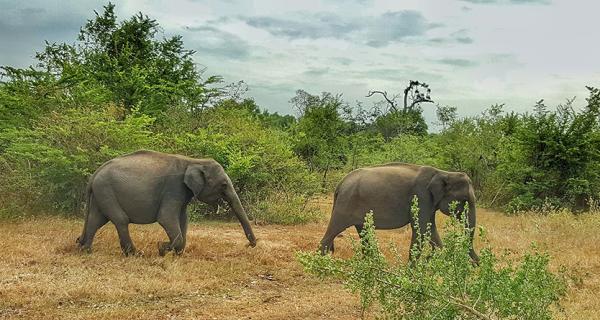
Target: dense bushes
(259,159)
(48,164)
(121,87)
(555,157)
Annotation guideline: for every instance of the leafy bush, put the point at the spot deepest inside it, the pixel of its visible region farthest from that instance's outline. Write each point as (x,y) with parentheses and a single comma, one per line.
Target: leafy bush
(554,158)
(259,159)
(319,136)
(255,156)
(406,148)
(443,283)
(282,207)
(49,164)
(397,123)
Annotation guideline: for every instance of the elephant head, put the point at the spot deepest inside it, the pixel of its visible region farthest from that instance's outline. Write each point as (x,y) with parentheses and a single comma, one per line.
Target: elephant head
(209,183)
(449,187)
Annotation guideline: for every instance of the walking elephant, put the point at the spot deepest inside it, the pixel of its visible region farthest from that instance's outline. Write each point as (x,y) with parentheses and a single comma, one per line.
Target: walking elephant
(145,187)
(388,190)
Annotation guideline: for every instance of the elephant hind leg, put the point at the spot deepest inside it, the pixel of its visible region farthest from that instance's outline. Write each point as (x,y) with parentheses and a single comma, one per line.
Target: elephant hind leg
(125,239)
(332,231)
(94,220)
(359,230)
(110,207)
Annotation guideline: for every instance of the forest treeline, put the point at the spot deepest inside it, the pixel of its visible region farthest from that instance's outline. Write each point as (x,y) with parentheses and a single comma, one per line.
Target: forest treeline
(122,86)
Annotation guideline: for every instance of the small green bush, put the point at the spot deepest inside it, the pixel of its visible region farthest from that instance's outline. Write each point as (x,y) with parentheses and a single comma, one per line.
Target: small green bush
(405,148)
(443,283)
(285,208)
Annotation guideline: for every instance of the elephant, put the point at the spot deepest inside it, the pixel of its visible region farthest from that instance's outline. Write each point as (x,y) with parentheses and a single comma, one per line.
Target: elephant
(144,187)
(388,190)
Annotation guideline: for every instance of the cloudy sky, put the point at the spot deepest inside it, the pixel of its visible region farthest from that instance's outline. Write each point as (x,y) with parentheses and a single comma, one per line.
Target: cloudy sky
(473,53)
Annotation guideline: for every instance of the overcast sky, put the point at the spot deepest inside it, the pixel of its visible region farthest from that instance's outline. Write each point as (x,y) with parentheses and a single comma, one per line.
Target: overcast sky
(473,53)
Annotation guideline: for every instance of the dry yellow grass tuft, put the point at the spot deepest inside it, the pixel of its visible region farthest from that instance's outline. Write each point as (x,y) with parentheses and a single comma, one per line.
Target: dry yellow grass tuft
(43,276)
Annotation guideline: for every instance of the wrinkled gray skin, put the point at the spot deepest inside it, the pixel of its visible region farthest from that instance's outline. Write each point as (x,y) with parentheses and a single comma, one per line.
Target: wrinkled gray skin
(388,191)
(146,187)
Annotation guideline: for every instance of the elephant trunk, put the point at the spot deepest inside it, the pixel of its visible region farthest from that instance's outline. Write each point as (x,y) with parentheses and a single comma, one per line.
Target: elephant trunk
(234,201)
(471,220)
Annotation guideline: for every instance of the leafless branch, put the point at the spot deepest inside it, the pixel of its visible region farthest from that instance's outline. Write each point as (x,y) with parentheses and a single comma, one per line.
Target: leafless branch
(417,101)
(391,102)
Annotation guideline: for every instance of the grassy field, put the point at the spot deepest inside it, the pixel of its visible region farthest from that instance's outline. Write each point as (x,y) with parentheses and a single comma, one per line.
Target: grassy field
(43,276)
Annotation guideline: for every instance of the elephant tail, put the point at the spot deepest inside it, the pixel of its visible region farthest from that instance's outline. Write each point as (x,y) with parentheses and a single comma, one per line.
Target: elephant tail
(88,203)
(335,195)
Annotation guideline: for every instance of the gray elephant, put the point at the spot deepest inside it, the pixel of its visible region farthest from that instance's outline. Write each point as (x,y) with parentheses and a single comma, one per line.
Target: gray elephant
(388,191)
(146,187)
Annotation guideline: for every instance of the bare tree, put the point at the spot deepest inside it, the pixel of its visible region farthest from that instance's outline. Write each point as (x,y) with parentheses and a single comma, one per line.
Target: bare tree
(391,101)
(416,92)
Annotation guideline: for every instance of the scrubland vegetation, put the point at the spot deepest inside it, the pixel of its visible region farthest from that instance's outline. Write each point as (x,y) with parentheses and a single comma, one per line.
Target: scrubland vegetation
(219,277)
(122,86)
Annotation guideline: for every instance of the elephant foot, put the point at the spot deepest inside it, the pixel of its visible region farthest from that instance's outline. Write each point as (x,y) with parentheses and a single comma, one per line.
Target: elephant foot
(163,248)
(84,249)
(131,252)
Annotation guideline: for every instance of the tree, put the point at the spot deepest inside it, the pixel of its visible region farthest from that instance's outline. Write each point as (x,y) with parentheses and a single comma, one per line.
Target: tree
(554,158)
(266,118)
(128,63)
(392,121)
(445,115)
(319,133)
(411,93)
(393,124)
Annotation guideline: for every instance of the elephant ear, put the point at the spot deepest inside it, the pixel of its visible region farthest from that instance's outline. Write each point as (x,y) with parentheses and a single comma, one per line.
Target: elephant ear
(438,187)
(195,179)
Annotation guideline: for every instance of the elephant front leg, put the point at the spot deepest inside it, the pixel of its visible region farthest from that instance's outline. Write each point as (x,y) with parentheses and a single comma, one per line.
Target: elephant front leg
(426,224)
(176,242)
(170,219)
(436,241)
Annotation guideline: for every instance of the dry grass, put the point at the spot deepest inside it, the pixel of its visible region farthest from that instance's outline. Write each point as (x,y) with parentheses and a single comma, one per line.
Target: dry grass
(218,277)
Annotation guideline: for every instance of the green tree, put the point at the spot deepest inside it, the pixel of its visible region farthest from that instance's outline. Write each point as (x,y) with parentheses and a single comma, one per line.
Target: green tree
(393,124)
(392,121)
(125,62)
(555,157)
(266,118)
(320,132)
(446,115)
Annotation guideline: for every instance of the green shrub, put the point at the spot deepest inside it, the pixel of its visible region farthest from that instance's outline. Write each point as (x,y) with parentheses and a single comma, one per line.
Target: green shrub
(444,283)
(406,148)
(396,123)
(50,163)
(285,208)
(554,157)
(258,158)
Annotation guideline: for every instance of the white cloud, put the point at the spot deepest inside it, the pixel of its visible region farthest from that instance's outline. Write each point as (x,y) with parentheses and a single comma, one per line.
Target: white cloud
(473,53)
